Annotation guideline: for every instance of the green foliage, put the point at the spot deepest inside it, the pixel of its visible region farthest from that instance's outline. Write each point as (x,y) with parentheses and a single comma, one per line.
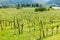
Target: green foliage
(42,8)
(28,5)
(18,6)
(35,4)
(5,6)
(21,22)
(0,7)
(51,7)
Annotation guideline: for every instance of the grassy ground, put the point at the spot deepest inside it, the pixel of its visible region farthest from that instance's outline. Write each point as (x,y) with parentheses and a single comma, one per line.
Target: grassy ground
(8,34)
(56,37)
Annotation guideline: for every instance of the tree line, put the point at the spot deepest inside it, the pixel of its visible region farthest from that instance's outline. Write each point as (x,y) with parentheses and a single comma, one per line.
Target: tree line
(20,5)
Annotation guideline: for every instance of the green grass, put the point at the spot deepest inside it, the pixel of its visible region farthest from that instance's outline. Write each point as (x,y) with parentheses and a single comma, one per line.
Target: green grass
(56,37)
(23,15)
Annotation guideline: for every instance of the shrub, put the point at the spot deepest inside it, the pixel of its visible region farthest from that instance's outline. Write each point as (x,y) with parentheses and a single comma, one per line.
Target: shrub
(35,4)
(5,6)
(51,7)
(42,8)
(0,7)
(18,6)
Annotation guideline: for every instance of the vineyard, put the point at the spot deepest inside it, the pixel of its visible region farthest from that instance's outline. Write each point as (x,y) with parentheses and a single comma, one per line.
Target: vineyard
(25,24)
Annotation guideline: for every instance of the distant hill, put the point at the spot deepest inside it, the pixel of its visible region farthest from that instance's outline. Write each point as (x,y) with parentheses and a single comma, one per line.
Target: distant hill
(53,2)
(22,1)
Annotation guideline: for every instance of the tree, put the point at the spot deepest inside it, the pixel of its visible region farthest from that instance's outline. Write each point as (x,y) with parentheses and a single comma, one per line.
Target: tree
(51,7)
(18,6)
(0,7)
(28,5)
(5,6)
(35,4)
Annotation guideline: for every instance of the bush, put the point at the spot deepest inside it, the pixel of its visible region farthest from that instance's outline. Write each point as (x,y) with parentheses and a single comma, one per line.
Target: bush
(42,8)
(18,6)
(0,7)
(35,4)
(5,6)
(51,7)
